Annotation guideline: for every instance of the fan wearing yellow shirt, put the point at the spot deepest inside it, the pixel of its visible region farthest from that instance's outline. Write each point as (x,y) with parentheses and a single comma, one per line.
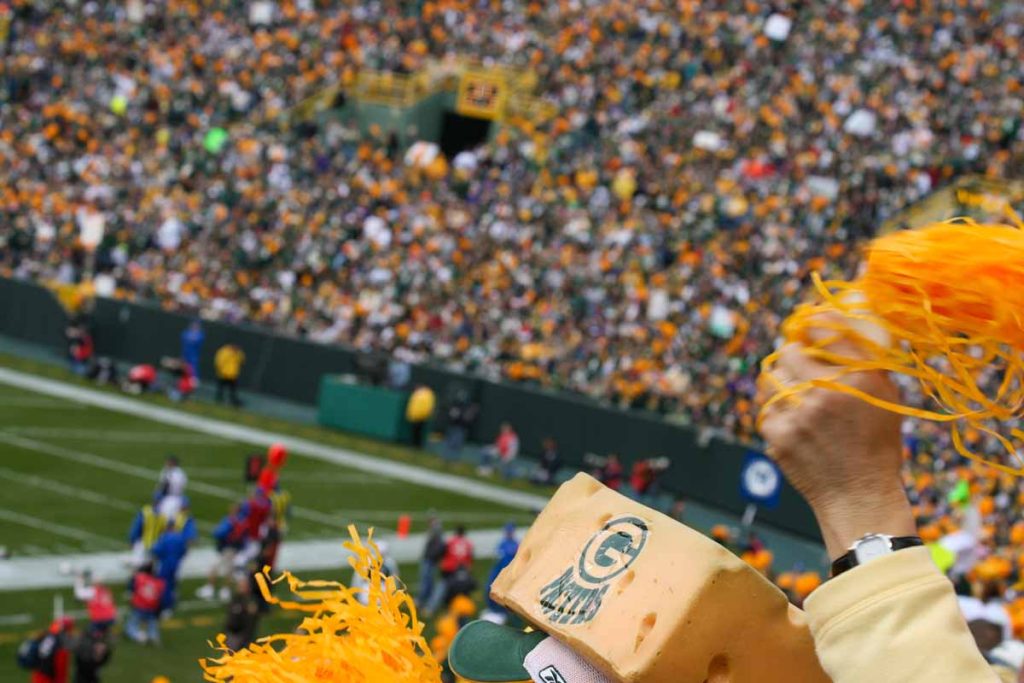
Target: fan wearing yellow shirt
(228,363)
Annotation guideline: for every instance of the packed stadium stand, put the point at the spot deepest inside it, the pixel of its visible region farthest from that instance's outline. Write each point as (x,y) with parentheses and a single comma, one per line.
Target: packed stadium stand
(636,236)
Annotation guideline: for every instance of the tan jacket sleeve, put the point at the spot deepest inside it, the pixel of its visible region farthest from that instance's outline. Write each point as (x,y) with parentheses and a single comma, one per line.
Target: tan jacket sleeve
(894,620)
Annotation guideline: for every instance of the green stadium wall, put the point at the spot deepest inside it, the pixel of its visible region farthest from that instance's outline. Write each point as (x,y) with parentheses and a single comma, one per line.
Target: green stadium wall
(290,368)
(371,411)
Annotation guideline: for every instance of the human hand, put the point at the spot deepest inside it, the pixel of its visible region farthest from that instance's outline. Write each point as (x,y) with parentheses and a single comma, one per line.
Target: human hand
(842,454)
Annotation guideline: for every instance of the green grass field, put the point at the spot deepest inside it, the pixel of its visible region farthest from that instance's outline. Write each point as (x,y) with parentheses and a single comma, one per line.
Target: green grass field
(83,472)
(73,476)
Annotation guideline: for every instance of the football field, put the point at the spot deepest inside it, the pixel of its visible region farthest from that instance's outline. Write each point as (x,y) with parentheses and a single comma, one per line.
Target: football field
(76,463)
(74,475)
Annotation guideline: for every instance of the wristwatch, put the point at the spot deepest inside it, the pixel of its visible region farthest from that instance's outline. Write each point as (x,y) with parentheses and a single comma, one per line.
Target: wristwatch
(871,547)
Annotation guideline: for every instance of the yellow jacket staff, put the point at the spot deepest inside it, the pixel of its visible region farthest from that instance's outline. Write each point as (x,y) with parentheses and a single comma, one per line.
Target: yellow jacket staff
(228,362)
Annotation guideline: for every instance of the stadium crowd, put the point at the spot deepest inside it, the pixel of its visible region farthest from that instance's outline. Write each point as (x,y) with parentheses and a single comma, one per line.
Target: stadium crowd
(641,248)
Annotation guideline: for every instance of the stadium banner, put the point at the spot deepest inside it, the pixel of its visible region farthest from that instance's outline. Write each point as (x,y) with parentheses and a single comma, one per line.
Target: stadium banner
(482,94)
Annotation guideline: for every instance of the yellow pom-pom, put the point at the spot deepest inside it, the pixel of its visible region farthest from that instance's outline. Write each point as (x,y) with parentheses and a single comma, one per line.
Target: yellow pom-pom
(940,304)
(341,639)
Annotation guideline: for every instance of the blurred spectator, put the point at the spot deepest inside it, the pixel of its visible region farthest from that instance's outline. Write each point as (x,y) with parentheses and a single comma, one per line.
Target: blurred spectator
(228,363)
(399,374)
(433,552)
(92,652)
(185,381)
(243,614)
(640,477)
(229,537)
(147,598)
(610,472)
(458,555)
(462,414)
(418,412)
(141,378)
(170,487)
(98,599)
(501,454)
(643,477)
(192,345)
(460,583)
(168,552)
(549,464)
(80,347)
(257,511)
(46,655)
(104,372)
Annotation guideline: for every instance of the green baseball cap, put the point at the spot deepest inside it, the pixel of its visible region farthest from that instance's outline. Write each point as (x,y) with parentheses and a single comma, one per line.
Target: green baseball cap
(485,652)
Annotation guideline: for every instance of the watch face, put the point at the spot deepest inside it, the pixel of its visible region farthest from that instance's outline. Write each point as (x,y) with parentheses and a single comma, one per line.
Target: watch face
(871,547)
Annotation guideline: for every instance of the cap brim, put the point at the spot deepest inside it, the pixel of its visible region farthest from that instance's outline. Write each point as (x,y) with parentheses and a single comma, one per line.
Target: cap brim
(484,652)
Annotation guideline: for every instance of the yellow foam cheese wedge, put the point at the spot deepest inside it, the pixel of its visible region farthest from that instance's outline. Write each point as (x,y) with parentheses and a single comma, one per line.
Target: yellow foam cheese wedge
(645,598)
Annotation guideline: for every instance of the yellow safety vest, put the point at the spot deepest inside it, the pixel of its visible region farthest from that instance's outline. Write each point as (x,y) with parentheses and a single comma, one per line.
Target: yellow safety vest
(152,526)
(180,521)
(228,362)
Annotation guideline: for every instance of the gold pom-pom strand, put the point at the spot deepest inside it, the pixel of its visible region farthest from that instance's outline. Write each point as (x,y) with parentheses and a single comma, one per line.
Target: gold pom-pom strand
(939,304)
(341,639)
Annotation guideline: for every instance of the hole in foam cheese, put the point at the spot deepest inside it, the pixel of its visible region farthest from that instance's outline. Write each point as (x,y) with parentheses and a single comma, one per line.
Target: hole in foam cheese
(645,598)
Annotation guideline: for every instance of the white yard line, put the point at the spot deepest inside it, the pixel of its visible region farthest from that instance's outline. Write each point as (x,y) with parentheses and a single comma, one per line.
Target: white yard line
(24,573)
(57,487)
(56,529)
(325,478)
(151,475)
(130,436)
(446,515)
(9,401)
(412,474)
(183,607)
(16,619)
(64,490)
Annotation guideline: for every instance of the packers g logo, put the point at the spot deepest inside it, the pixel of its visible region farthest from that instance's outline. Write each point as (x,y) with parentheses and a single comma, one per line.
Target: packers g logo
(575,596)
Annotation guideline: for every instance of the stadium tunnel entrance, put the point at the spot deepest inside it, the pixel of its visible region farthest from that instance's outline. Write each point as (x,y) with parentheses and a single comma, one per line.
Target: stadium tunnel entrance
(459,133)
